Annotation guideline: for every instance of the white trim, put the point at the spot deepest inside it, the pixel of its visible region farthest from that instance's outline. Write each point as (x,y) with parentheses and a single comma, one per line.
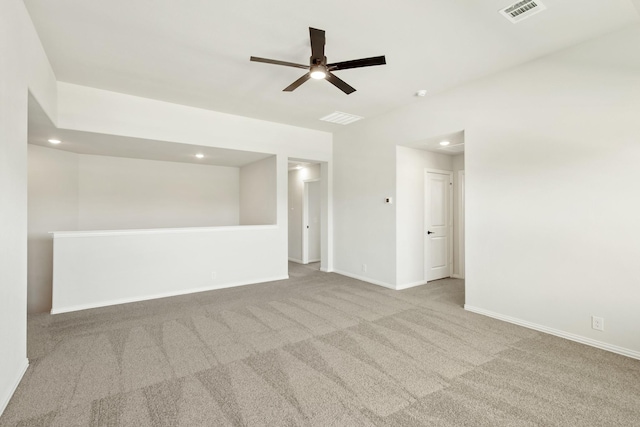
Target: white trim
(109,233)
(411,285)
(296,260)
(326,270)
(365,279)
(59,310)
(5,400)
(457,276)
(314,260)
(442,171)
(450,218)
(460,223)
(562,334)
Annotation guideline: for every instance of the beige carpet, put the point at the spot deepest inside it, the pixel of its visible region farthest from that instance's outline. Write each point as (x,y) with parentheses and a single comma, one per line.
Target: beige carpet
(319,350)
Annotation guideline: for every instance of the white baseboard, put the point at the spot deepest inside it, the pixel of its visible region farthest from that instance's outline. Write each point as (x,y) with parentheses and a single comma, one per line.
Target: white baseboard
(5,399)
(326,270)
(299,261)
(411,285)
(457,276)
(58,310)
(562,334)
(365,279)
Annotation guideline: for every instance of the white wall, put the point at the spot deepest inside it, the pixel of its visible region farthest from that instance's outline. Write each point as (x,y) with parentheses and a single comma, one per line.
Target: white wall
(364,175)
(94,269)
(258,192)
(294,203)
(68,191)
(313,227)
(23,68)
(296,193)
(458,226)
(94,110)
(119,193)
(327,219)
(551,169)
(410,166)
(52,205)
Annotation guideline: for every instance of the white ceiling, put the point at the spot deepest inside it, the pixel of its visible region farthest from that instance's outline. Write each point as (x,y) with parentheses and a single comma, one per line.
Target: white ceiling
(41,130)
(196,52)
(299,164)
(456,144)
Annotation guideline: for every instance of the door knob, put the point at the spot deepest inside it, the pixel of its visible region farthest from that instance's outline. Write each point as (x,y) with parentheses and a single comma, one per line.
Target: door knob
(430,232)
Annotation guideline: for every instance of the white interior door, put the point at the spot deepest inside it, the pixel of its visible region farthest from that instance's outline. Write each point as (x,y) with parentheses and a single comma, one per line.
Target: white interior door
(438,225)
(312,222)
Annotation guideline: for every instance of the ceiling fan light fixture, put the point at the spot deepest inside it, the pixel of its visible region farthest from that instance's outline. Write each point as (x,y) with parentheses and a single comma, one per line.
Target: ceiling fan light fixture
(319,69)
(318,72)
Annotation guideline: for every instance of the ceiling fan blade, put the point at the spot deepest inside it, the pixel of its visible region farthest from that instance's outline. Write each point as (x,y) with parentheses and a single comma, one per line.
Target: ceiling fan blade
(339,83)
(293,86)
(317,43)
(276,62)
(357,63)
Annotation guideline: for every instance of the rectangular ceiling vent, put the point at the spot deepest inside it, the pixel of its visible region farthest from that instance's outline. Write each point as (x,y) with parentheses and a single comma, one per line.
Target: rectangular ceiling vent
(341,118)
(522,10)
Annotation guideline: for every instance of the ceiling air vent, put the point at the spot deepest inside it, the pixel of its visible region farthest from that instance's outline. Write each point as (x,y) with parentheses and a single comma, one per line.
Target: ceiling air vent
(522,10)
(341,118)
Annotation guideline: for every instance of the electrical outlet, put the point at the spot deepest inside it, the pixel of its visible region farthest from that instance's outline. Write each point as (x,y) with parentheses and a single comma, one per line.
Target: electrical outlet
(597,323)
(364,268)
(214,275)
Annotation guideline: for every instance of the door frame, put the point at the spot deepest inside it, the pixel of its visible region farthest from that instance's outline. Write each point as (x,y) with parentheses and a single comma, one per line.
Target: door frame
(305,215)
(449,220)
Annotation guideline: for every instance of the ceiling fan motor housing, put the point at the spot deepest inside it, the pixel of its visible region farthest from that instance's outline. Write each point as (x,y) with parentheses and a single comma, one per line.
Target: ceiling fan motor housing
(318,61)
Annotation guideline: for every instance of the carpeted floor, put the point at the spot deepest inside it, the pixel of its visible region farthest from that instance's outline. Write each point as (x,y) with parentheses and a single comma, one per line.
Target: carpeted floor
(320,350)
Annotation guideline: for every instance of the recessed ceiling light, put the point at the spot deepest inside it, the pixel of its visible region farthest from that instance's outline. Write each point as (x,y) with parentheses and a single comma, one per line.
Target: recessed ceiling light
(444,143)
(200,155)
(55,141)
(422,92)
(298,167)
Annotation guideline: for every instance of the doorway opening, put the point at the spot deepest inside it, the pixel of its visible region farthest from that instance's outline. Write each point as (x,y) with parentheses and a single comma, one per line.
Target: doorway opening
(439,224)
(311,224)
(444,213)
(430,209)
(308,214)
(444,222)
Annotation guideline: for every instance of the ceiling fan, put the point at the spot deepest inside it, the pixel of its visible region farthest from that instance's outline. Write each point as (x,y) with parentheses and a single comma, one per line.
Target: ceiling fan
(318,67)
